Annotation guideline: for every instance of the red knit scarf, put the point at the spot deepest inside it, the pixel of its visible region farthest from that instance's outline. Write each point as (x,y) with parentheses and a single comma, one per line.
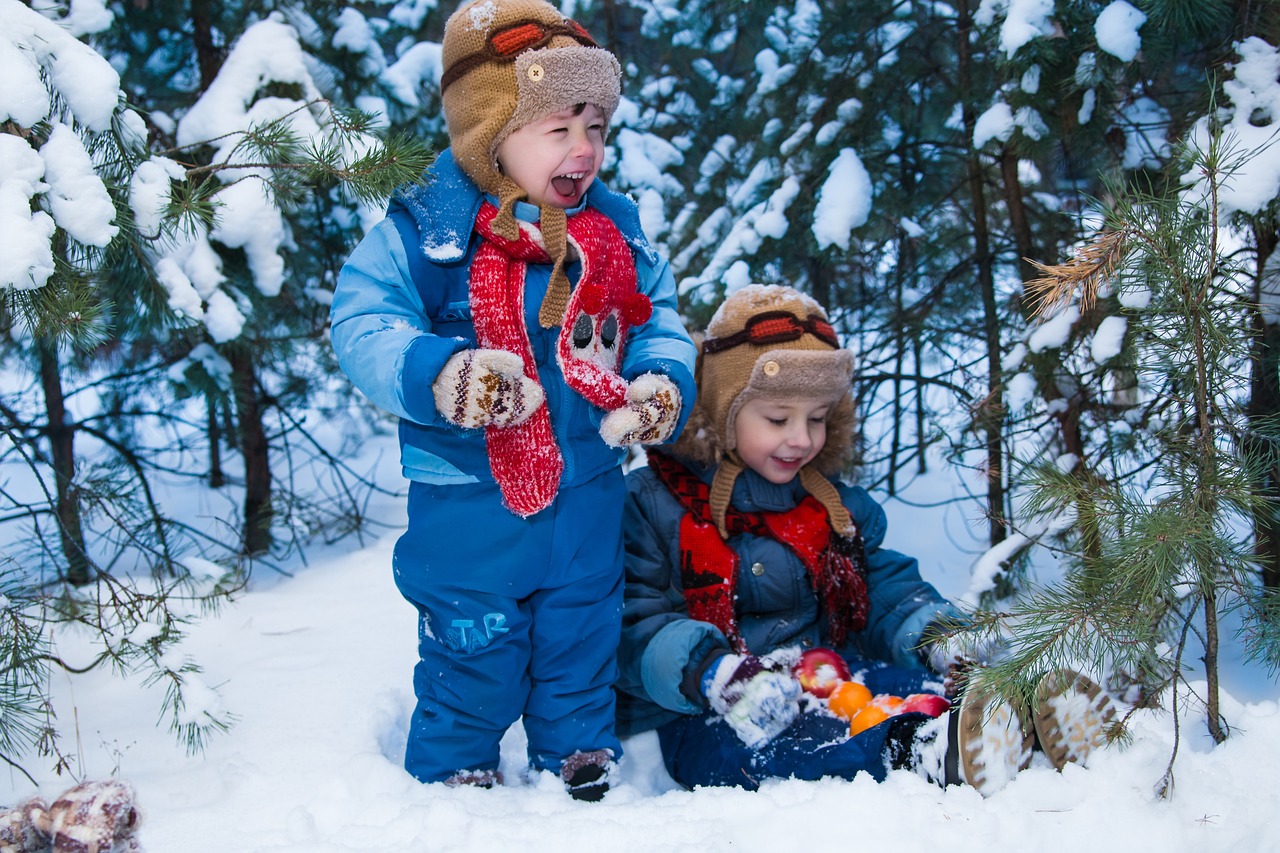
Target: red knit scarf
(524,459)
(709,567)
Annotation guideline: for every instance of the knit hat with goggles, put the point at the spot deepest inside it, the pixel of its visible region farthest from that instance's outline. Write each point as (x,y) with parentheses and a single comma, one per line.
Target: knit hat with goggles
(775,342)
(508,63)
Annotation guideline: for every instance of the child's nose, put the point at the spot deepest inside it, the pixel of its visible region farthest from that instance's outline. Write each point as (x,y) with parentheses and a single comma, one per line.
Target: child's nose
(798,435)
(581,143)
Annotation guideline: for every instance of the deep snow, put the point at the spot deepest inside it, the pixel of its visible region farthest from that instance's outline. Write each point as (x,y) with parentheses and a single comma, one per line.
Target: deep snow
(317,667)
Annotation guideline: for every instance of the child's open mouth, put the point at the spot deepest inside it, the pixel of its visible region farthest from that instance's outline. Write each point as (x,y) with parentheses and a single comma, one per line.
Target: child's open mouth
(569,185)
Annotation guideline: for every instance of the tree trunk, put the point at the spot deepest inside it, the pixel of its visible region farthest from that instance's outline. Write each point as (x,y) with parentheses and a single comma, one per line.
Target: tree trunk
(990,416)
(1069,408)
(899,361)
(1264,407)
(217,479)
(1212,705)
(1018,221)
(63,456)
(253,447)
(922,461)
(208,56)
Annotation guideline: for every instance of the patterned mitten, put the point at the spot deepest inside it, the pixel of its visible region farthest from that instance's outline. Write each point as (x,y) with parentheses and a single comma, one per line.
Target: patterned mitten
(485,387)
(95,816)
(25,828)
(757,701)
(648,416)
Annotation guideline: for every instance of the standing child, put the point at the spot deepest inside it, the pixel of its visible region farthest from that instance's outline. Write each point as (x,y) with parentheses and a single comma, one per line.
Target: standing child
(512,314)
(745,562)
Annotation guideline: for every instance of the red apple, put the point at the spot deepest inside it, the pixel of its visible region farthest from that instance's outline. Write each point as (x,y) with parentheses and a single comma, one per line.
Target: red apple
(930,704)
(820,670)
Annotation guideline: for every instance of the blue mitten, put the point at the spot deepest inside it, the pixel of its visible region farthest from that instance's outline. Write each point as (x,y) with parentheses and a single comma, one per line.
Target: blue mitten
(757,701)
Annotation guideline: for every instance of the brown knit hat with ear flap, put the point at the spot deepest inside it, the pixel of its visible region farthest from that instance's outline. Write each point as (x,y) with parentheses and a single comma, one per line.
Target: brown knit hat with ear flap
(508,63)
(775,342)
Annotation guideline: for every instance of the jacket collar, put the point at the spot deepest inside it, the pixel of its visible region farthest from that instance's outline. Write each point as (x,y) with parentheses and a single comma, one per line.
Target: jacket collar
(753,493)
(446,202)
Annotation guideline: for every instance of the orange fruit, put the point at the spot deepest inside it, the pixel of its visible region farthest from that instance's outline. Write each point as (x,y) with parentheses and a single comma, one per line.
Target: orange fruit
(874,712)
(848,698)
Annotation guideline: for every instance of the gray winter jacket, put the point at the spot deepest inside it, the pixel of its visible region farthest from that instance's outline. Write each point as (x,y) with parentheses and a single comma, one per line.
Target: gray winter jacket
(663,648)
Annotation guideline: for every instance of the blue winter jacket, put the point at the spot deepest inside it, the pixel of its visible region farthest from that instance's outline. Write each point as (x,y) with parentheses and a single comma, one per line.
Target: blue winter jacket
(401,309)
(663,649)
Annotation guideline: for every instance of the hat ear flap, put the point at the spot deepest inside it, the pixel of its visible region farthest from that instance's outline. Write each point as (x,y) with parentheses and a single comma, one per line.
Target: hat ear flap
(836,456)
(699,441)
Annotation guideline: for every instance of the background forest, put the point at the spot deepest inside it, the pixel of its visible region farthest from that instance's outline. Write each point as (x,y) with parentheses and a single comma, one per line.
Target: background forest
(1047,229)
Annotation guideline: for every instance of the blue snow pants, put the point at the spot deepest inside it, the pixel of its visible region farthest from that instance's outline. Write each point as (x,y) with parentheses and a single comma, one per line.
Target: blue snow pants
(517,616)
(702,749)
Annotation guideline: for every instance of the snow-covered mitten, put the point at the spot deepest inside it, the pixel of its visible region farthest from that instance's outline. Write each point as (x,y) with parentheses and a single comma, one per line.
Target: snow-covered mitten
(756,700)
(25,828)
(475,779)
(483,387)
(95,817)
(954,652)
(648,417)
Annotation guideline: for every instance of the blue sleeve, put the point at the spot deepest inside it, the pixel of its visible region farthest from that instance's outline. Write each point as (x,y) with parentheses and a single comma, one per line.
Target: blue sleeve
(676,649)
(662,345)
(662,647)
(902,603)
(380,331)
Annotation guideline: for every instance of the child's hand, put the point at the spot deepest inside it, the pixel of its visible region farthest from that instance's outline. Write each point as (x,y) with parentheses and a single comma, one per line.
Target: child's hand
(648,417)
(756,701)
(483,387)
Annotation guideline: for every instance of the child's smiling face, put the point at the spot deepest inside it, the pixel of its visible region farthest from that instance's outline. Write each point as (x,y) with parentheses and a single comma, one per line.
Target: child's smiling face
(776,438)
(556,158)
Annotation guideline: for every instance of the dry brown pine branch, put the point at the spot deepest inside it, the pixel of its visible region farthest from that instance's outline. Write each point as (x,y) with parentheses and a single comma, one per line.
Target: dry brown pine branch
(1092,265)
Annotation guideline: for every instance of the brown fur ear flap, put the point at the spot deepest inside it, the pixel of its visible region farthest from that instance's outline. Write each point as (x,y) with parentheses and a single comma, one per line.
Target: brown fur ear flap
(837,454)
(699,441)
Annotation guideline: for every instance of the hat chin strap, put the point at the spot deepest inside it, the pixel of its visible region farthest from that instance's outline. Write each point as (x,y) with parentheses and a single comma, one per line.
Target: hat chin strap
(825,492)
(722,489)
(504,224)
(555,237)
(554,229)
(822,489)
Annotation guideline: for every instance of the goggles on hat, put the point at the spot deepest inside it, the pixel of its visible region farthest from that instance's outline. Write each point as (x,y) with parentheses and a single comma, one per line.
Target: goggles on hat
(505,44)
(774,327)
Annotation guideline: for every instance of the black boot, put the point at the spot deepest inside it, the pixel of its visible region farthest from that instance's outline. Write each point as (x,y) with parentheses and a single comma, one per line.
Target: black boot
(586,774)
(980,742)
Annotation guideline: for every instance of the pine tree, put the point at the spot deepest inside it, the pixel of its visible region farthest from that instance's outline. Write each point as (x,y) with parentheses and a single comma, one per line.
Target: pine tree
(97,313)
(1156,557)
(311,186)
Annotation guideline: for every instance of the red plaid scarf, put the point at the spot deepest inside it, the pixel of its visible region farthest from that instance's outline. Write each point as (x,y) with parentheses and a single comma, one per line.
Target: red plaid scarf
(709,567)
(524,459)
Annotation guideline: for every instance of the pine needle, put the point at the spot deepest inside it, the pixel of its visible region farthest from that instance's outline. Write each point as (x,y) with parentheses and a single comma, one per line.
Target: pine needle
(1092,265)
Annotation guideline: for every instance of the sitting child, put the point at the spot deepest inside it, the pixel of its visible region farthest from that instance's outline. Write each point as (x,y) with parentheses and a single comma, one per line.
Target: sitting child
(742,553)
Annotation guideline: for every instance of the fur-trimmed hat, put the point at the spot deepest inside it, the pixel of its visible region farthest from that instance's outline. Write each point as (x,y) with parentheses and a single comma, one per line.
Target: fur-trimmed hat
(508,63)
(769,341)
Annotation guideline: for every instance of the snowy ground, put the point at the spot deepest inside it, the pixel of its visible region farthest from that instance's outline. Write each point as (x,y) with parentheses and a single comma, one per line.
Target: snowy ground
(317,667)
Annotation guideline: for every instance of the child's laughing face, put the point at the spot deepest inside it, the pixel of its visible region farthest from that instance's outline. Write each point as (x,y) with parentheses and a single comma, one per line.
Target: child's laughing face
(556,158)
